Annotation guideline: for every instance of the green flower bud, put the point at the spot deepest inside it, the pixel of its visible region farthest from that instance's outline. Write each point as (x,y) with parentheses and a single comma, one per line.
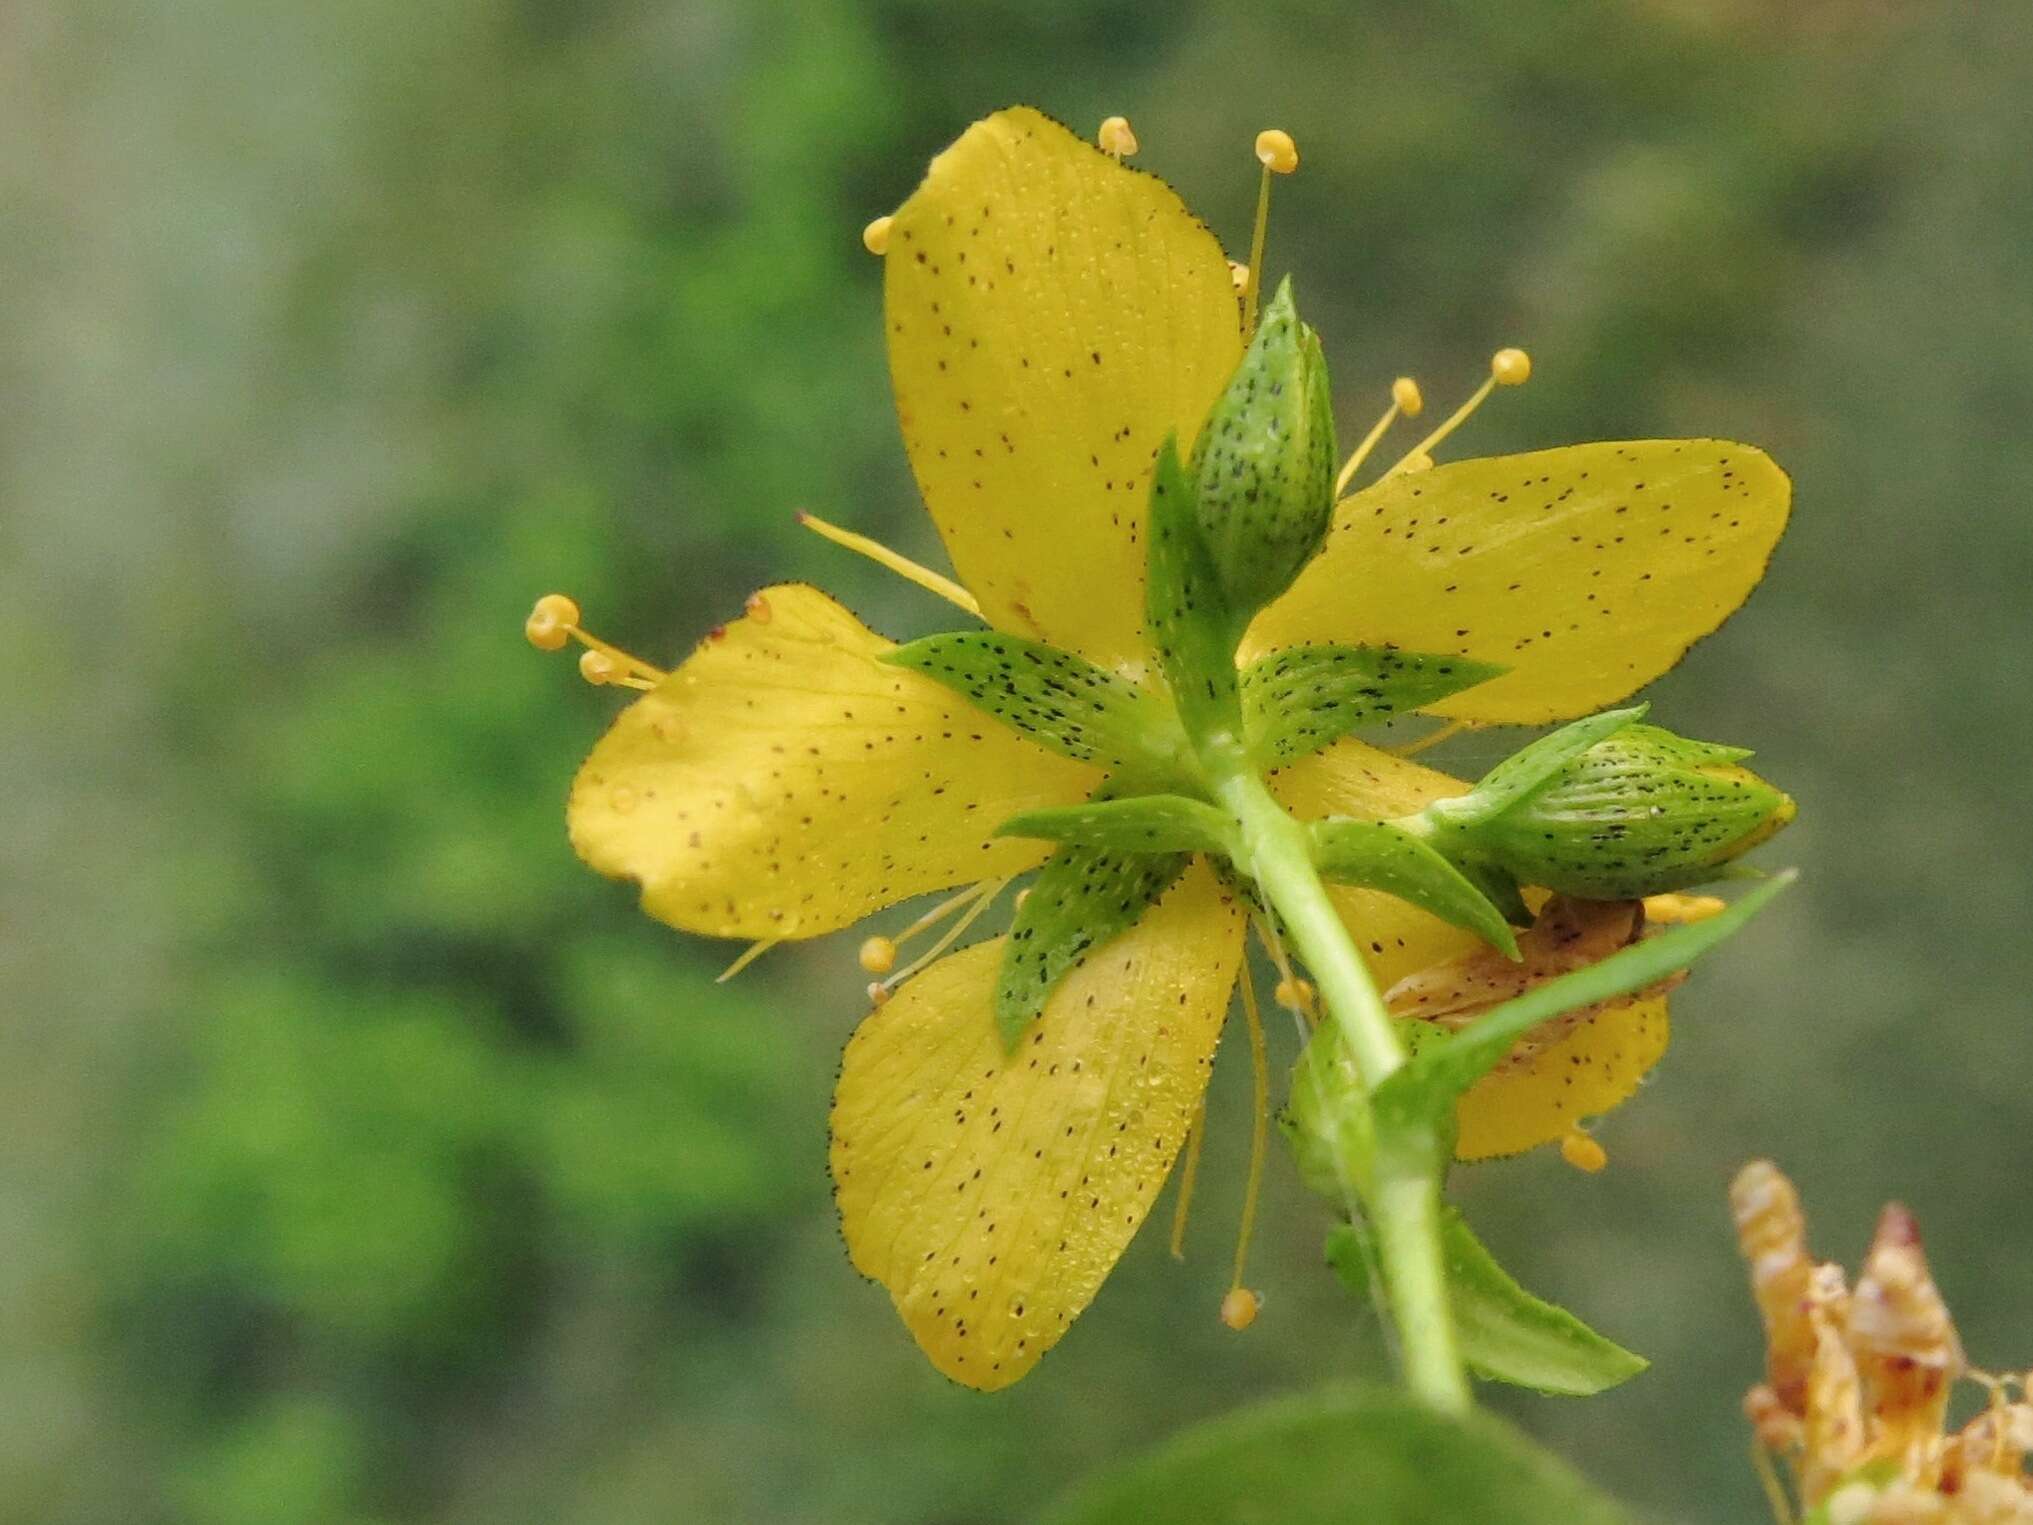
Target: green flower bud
(1638,812)
(1264,462)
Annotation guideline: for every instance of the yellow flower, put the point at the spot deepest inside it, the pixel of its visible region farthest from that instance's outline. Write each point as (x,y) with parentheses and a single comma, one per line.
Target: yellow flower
(1052,314)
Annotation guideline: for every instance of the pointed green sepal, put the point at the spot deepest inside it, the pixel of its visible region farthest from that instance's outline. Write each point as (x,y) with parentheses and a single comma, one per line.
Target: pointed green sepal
(1148,823)
(1059,700)
(1299,700)
(1186,616)
(1263,467)
(1443,1066)
(1381,856)
(1506,1334)
(1082,898)
(1530,767)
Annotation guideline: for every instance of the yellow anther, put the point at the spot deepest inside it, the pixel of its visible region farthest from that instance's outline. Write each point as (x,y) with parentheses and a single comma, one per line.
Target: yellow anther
(1406,394)
(758,608)
(875,237)
(1510,367)
(1239,1308)
(1294,994)
(597,667)
(878,955)
(1276,151)
(1418,461)
(1116,138)
(1407,402)
(1676,910)
(1583,1152)
(1238,274)
(1021,896)
(878,993)
(550,623)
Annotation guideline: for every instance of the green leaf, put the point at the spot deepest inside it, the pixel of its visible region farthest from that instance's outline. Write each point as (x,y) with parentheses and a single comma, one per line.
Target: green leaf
(1525,770)
(1082,898)
(1506,1334)
(1186,617)
(1148,823)
(1303,698)
(1059,700)
(1381,856)
(1442,1069)
(1343,1457)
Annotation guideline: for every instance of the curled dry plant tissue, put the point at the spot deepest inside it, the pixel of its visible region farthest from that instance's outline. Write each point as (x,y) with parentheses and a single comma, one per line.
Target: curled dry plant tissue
(1193,648)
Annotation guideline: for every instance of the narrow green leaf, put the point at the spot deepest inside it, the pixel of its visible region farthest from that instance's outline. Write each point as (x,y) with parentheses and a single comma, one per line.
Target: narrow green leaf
(1343,1457)
(1380,856)
(1506,1334)
(1525,770)
(1147,823)
(1081,899)
(1059,700)
(1441,1070)
(1303,698)
(1186,617)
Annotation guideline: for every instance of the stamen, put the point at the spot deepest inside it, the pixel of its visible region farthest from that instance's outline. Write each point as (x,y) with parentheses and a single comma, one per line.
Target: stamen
(1507,368)
(1279,156)
(985,894)
(1239,1308)
(1768,1479)
(875,237)
(903,566)
(940,912)
(749,955)
(1676,910)
(1275,947)
(1295,995)
(1189,1174)
(1115,138)
(1407,402)
(1583,1152)
(878,955)
(1432,738)
(555,620)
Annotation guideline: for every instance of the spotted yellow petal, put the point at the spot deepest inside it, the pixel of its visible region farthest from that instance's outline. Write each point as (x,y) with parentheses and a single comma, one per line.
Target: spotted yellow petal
(991,1194)
(784,782)
(1355,779)
(1588,1072)
(1052,314)
(1587,571)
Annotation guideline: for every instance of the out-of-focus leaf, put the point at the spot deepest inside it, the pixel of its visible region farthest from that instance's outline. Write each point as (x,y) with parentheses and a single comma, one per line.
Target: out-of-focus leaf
(1339,1457)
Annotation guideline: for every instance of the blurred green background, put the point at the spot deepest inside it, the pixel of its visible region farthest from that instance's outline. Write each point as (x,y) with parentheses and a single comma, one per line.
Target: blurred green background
(362,1158)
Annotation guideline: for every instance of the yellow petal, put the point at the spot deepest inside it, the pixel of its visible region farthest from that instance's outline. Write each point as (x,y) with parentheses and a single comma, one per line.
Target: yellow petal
(1352,778)
(992,1194)
(783,782)
(1586,1073)
(1052,313)
(1587,571)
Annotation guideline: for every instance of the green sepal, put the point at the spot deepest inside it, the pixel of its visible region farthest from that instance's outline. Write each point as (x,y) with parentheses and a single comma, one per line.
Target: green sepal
(1443,1066)
(1499,888)
(1296,701)
(1186,617)
(1082,898)
(1528,768)
(1263,466)
(1380,856)
(1341,1457)
(1147,823)
(1506,1334)
(1057,699)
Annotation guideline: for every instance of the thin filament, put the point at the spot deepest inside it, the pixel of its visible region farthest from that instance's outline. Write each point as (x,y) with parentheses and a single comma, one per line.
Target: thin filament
(903,566)
(1432,738)
(985,896)
(1768,1479)
(1260,1119)
(1369,443)
(1454,421)
(749,955)
(1189,1174)
(1256,255)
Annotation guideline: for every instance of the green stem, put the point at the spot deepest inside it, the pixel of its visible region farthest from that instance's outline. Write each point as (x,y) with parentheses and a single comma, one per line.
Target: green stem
(1404,1184)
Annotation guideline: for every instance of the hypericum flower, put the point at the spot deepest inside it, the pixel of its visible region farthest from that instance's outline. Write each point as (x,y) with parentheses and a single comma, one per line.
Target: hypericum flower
(1053,316)
(1857,1382)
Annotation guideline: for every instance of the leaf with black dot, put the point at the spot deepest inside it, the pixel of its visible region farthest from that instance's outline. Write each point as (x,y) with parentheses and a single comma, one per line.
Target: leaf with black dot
(1145,823)
(1380,856)
(1303,698)
(1186,617)
(1532,767)
(1059,700)
(1082,899)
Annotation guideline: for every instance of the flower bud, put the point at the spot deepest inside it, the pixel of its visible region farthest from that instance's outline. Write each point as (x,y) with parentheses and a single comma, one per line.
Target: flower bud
(1264,462)
(1636,813)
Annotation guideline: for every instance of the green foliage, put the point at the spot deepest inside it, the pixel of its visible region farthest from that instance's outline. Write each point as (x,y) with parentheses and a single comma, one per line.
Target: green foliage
(1336,1456)
(1149,823)
(1186,613)
(1506,1334)
(1381,856)
(1296,701)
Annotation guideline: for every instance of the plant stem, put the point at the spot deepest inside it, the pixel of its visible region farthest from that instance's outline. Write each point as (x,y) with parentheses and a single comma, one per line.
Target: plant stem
(1403,1181)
